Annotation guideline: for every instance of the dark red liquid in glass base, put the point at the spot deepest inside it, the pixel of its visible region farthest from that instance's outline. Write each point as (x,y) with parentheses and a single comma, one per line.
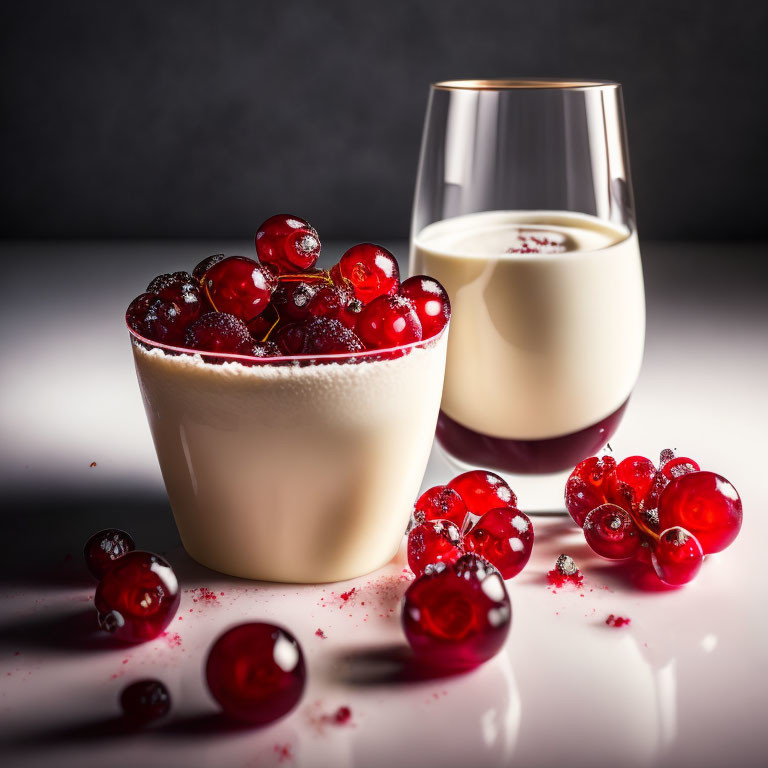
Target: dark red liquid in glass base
(525,457)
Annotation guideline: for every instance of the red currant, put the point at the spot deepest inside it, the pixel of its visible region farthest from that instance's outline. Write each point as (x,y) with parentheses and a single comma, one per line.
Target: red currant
(104,547)
(371,271)
(431,302)
(440,503)
(239,286)
(261,326)
(680,465)
(292,300)
(388,321)
(483,491)
(202,267)
(650,503)
(141,315)
(329,336)
(265,349)
(336,302)
(290,338)
(432,542)
(164,320)
(593,482)
(504,537)
(326,301)
(255,671)
(145,700)
(667,454)
(677,556)
(220,333)
(137,597)
(638,473)
(168,286)
(288,243)
(457,616)
(611,532)
(705,504)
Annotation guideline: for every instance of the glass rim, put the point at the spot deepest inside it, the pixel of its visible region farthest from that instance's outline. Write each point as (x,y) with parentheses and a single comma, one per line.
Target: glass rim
(522,83)
(231,357)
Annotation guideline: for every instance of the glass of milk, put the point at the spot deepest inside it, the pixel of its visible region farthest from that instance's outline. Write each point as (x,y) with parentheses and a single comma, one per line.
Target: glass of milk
(524,212)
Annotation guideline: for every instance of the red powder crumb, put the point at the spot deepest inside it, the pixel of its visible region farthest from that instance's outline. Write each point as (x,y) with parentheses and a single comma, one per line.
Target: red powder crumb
(120,672)
(320,720)
(346,595)
(173,639)
(319,632)
(342,715)
(203,595)
(560,579)
(617,621)
(283,752)
(92,464)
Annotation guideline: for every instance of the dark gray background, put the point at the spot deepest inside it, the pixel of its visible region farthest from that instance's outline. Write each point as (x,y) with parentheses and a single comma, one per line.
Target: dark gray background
(200,119)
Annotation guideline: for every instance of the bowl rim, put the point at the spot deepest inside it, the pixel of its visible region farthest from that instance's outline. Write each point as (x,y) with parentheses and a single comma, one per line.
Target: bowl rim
(372,355)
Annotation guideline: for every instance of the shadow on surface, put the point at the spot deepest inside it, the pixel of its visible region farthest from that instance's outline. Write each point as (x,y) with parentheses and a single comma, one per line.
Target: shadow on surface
(107,728)
(59,630)
(383,665)
(205,725)
(48,531)
(632,575)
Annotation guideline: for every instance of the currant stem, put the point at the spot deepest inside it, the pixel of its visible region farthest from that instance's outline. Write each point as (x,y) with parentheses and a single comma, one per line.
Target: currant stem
(641,525)
(210,298)
(299,276)
(272,327)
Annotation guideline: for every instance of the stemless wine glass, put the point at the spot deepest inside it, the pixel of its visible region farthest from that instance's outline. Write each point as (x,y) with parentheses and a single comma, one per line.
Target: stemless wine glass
(524,211)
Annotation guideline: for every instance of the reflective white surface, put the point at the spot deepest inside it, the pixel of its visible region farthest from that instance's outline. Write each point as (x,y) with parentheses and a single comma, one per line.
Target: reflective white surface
(683,684)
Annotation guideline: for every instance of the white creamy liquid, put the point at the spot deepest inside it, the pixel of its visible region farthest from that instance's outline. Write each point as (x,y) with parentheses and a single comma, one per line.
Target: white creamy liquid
(542,344)
(298,474)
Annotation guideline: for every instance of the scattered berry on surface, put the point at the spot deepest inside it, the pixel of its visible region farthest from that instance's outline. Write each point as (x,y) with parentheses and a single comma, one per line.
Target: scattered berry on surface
(144,701)
(137,597)
(256,673)
(104,547)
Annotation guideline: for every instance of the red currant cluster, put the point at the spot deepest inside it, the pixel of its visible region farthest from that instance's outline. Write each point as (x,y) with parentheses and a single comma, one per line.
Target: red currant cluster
(468,536)
(138,593)
(670,516)
(282,305)
(476,512)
